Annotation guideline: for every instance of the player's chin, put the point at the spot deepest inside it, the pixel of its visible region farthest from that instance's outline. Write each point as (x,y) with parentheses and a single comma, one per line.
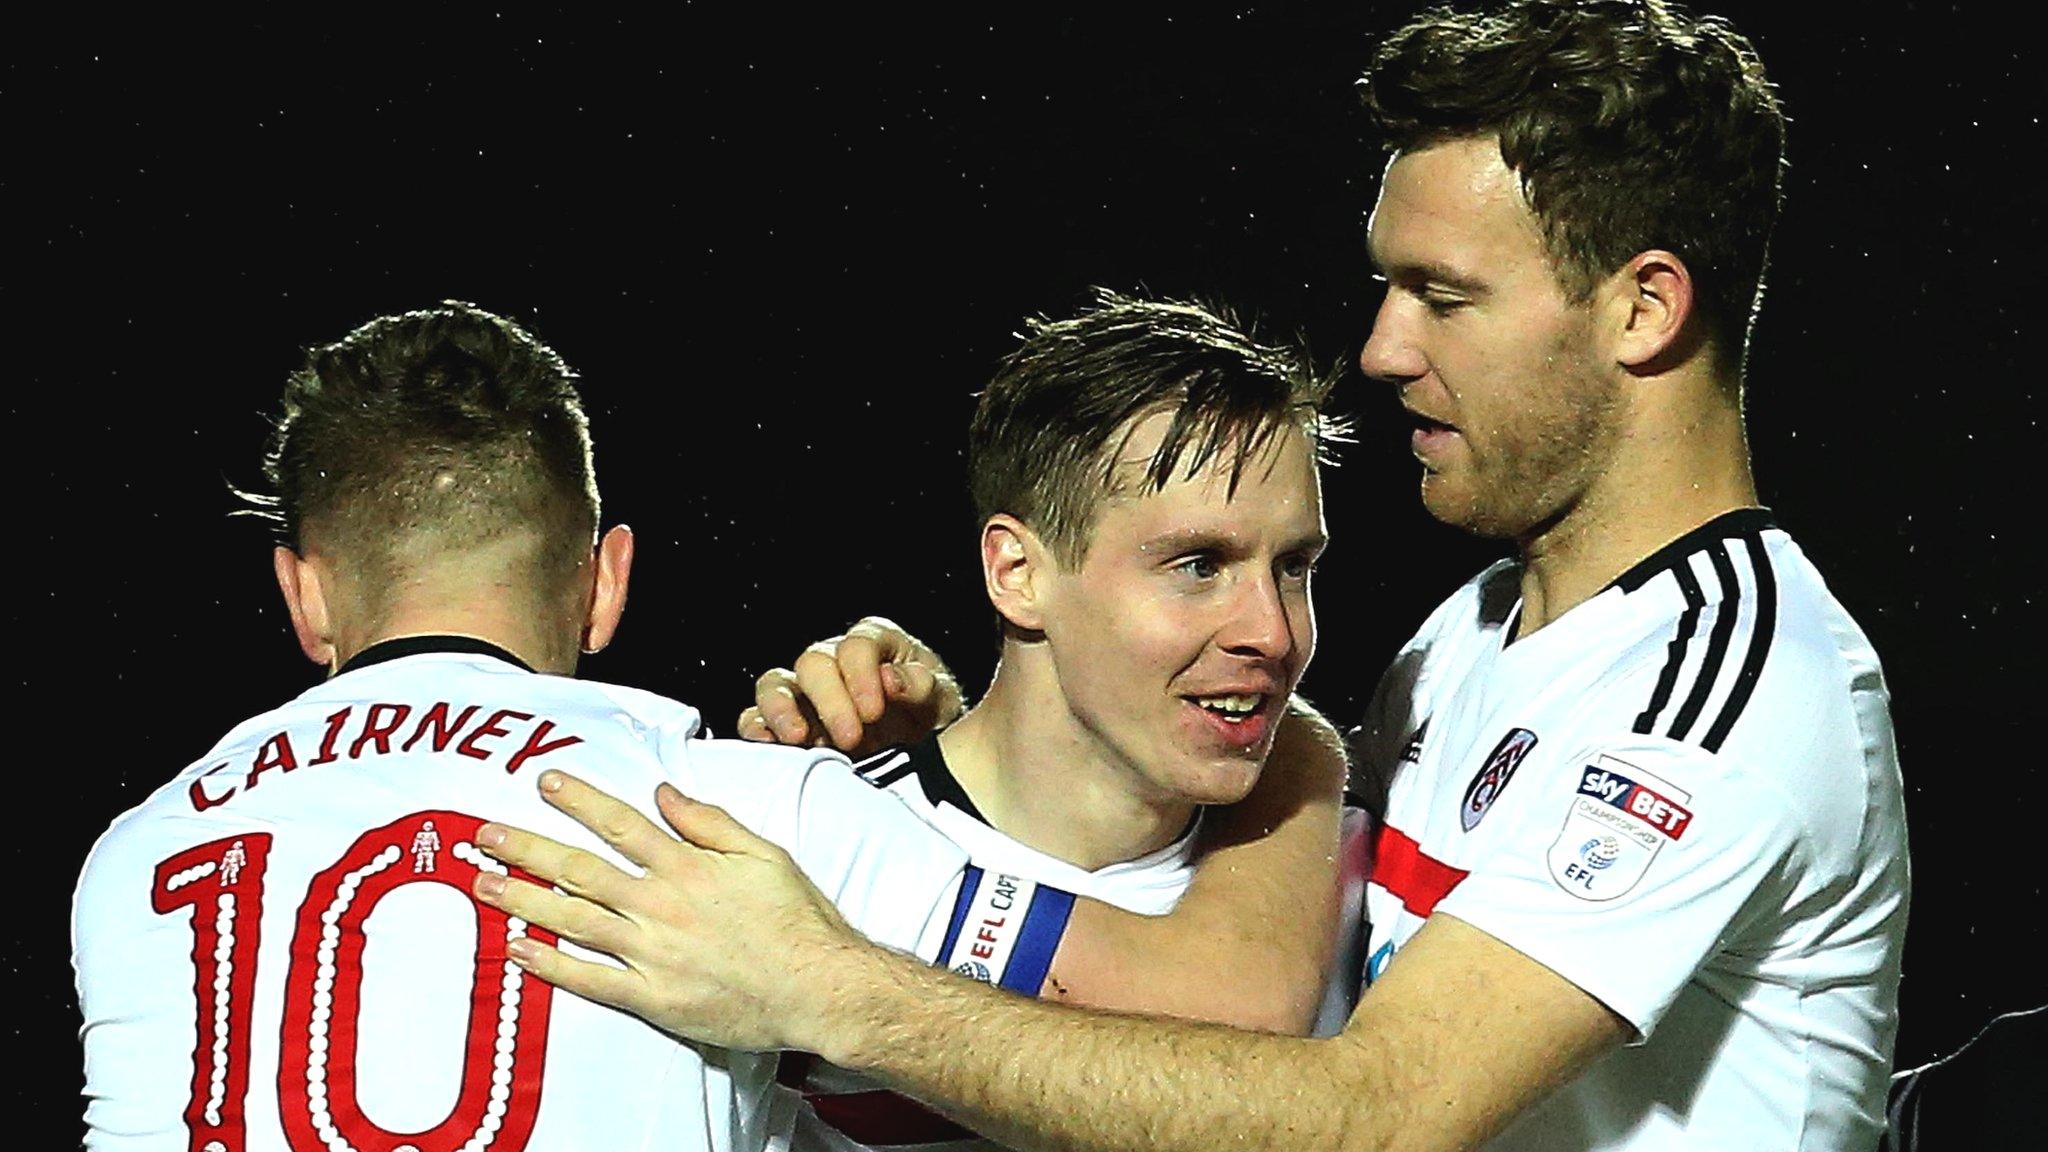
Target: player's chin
(1226,779)
(1449,500)
(1455,500)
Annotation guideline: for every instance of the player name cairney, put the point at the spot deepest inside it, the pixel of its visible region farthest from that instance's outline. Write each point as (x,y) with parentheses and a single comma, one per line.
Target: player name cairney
(505,736)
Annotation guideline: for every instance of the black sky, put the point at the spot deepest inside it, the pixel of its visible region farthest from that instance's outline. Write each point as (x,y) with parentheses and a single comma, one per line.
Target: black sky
(785,250)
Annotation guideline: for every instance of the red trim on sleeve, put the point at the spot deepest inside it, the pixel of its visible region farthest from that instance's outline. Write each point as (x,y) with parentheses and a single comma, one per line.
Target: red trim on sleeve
(1401,866)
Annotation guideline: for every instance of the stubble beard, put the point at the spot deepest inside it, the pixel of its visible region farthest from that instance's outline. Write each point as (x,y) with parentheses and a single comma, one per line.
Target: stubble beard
(1529,476)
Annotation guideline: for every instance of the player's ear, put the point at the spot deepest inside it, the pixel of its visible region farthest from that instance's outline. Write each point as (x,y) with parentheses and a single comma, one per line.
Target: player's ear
(610,568)
(1650,301)
(1014,563)
(306,600)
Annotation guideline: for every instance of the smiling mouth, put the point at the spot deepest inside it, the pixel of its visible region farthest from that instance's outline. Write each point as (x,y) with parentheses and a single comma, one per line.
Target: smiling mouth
(1231,709)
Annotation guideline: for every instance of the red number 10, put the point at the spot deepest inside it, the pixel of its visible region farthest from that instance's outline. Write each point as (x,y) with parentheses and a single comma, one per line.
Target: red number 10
(222,881)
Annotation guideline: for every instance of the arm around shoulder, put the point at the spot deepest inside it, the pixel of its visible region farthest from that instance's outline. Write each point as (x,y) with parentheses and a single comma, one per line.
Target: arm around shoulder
(1250,942)
(1462,1035)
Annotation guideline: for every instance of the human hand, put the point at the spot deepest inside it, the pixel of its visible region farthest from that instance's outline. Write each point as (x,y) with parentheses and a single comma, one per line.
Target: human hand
(874,687)
(713,935)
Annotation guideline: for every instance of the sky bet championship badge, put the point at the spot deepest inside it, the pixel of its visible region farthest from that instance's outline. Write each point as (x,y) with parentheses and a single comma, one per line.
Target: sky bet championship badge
(1620,819)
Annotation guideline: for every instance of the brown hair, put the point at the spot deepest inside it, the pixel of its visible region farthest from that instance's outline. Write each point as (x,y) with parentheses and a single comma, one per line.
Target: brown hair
(447,427)
(1051,425)
(1633,125)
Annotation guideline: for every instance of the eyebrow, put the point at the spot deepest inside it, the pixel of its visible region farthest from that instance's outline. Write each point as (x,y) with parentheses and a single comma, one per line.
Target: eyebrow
(1184,540)
(1410,273)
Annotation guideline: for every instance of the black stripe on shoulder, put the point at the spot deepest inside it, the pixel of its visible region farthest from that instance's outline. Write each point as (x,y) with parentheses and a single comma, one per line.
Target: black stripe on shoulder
(927,761)
(1717,643)
(1759,645)
(882,764)
(894,774)
(1674,659)
(1741,522)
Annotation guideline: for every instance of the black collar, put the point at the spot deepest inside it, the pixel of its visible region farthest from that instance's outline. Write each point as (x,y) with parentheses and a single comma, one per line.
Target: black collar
(928,761)
(404,646)
(936,777)
(1741,522)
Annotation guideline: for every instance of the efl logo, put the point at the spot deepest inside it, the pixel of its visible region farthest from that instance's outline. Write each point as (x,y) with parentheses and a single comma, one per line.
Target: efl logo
(1664,812)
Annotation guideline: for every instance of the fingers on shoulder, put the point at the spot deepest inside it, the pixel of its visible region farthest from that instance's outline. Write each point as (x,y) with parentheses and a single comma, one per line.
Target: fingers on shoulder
(841,685)
(616,822)
(710,827)
(778,702)
(752,725)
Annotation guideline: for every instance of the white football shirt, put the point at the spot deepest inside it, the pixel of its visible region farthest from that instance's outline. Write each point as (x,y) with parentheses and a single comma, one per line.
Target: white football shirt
(1683,797)
(1005,927)
(278,949)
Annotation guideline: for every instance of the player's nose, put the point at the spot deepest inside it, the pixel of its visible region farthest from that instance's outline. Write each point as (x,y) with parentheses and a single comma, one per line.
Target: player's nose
(1392,353)
(1262,621)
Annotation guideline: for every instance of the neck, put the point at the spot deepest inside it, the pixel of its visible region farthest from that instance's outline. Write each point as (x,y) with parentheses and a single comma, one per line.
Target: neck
(1676,468)
(493,621)
(1041,778)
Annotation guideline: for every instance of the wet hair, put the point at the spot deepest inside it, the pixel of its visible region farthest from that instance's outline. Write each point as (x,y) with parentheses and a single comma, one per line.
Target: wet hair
(1633,125)
(431,434)
(1052,424)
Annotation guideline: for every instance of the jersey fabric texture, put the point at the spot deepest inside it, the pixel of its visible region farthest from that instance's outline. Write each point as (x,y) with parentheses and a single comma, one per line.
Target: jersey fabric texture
(1682,796)
(1008,881)
(278,949)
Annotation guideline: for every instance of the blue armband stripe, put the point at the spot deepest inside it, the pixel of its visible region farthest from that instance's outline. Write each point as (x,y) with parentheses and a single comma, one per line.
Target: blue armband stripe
(970,883)
(1044,925)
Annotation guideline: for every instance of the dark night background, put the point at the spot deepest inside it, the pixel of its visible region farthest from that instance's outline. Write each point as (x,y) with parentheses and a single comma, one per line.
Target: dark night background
(785,251)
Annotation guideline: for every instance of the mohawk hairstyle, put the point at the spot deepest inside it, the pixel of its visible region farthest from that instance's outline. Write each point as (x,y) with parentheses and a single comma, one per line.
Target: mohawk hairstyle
(448,427)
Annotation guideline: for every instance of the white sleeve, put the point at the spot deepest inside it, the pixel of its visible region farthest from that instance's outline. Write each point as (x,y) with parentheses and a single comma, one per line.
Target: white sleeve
(890,874)
(139,1020)
(1627,872)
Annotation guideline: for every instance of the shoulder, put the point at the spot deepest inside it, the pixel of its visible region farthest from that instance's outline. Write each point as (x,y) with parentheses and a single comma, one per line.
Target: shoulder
(819,786)
(721,754)
(1751,658)
(634,708)
(139,829)
(1755,688)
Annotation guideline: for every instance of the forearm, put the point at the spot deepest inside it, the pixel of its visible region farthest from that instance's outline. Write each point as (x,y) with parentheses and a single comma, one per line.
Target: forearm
(1454,1041)
(1039,1076)
(724,941)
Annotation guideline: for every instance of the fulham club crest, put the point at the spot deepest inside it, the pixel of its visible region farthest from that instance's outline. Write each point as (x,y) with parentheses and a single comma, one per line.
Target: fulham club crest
(1493,777)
